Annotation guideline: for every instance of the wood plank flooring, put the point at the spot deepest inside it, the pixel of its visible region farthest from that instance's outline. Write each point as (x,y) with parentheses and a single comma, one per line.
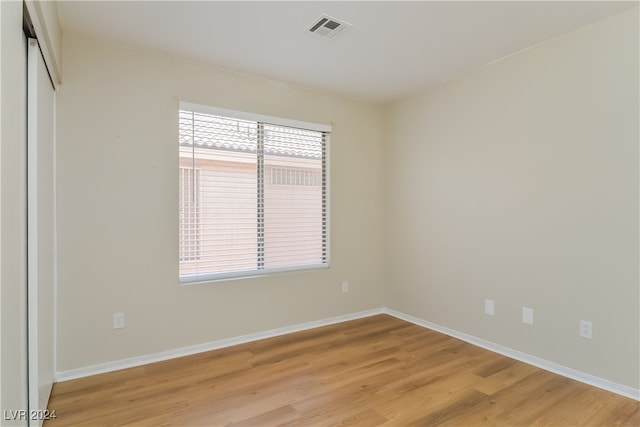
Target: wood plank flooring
(377,371)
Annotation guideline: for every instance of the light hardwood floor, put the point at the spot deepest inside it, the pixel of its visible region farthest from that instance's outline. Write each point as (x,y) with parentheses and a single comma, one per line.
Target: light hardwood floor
(377,371)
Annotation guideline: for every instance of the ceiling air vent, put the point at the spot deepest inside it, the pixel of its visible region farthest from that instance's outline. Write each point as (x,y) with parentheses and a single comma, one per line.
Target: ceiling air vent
(328,27)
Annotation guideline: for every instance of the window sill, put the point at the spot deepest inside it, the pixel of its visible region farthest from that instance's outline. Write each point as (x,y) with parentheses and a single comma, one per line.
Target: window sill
(253,274)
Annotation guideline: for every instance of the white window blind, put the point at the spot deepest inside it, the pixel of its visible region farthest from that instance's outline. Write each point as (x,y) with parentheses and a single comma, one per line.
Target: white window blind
(253,194)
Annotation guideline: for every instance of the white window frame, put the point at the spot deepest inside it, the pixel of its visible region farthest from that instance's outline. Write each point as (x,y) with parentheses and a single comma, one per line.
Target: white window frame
(278,121)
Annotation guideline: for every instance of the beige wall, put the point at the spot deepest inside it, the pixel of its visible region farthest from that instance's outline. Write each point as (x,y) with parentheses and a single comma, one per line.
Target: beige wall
(117,207)
(13,289)
(518,182)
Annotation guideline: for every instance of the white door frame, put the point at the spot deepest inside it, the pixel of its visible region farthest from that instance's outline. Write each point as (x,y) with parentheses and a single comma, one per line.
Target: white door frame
(41,258)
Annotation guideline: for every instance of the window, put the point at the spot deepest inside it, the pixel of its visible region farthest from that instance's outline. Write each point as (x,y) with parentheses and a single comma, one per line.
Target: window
(253,194)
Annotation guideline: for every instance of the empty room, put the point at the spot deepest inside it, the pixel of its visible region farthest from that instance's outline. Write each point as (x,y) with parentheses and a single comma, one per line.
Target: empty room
(300,213)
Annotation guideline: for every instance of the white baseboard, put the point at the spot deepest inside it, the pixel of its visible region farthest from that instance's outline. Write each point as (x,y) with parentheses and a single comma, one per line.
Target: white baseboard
(200,348)
(574,374)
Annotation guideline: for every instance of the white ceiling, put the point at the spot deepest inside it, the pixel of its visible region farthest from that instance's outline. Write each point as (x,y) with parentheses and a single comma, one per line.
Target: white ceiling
(393,49)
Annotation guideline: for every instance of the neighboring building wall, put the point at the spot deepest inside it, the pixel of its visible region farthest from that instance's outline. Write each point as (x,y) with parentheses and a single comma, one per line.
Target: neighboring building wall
(293,201)
(209,214)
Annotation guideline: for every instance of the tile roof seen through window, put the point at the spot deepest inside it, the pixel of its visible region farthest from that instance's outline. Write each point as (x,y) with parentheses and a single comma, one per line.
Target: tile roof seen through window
(229,134)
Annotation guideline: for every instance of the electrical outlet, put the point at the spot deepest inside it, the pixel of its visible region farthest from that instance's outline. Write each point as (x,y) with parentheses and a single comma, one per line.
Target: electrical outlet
(527,315)
(345,287)
(585,329)
(118,320)
(489,307)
